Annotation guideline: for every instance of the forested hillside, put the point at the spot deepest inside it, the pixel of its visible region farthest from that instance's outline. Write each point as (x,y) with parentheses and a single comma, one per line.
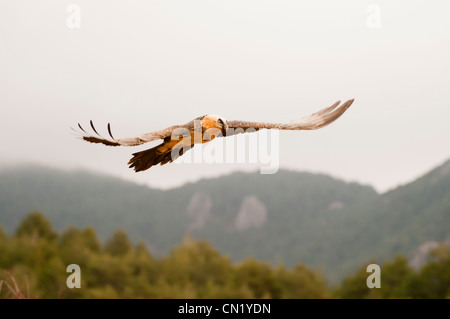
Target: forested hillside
(288,217)
(34,264)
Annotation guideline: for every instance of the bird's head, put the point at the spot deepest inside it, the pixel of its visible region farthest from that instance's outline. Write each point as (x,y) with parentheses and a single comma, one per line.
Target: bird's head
(215,122)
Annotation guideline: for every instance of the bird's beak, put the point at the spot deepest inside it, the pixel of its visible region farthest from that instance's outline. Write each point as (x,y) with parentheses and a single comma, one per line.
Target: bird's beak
(224,130)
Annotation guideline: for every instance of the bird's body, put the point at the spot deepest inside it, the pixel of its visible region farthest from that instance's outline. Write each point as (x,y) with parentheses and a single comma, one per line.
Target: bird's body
(179,139)
(175,145)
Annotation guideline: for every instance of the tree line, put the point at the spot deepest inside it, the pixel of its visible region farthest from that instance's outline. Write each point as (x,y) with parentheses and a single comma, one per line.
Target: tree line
(34,260)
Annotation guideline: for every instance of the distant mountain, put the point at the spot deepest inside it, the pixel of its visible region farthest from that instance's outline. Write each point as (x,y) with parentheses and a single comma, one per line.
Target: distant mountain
(288,217)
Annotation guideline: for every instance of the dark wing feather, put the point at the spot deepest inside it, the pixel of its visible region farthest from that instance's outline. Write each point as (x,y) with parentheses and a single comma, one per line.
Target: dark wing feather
(132,141)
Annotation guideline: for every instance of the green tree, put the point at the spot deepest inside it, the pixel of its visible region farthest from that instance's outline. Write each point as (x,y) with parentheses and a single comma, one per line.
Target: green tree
(2,235)
(196,262)
(259,277)
(434,278)
(396,278)
(35,225)
(301,282)
(119,244)
(355,287)
(76,246)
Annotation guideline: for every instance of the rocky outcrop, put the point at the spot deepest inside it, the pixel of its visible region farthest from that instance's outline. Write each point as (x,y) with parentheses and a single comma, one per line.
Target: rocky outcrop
(199,209)
(253,213)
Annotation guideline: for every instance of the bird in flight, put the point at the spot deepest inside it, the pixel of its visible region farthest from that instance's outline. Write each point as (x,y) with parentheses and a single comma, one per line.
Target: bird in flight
(178,139)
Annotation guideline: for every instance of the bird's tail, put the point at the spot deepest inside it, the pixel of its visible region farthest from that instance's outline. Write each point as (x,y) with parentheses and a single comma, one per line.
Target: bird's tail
(160,154)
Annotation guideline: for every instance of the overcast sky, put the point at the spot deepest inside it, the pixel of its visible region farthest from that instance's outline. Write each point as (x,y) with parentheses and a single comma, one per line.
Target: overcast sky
(146,65)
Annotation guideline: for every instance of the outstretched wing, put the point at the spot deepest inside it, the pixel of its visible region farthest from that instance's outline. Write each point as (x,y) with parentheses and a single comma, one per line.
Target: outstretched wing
(312,122)
(130,141)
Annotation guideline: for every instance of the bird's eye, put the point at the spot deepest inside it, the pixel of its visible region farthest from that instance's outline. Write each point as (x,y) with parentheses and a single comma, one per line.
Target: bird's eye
(220,121)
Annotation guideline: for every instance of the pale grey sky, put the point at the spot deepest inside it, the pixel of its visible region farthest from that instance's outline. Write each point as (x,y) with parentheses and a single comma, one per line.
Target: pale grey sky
(145,65)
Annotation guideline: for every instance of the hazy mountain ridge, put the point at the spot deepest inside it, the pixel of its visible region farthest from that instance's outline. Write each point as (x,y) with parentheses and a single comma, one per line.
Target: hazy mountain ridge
(288,217)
